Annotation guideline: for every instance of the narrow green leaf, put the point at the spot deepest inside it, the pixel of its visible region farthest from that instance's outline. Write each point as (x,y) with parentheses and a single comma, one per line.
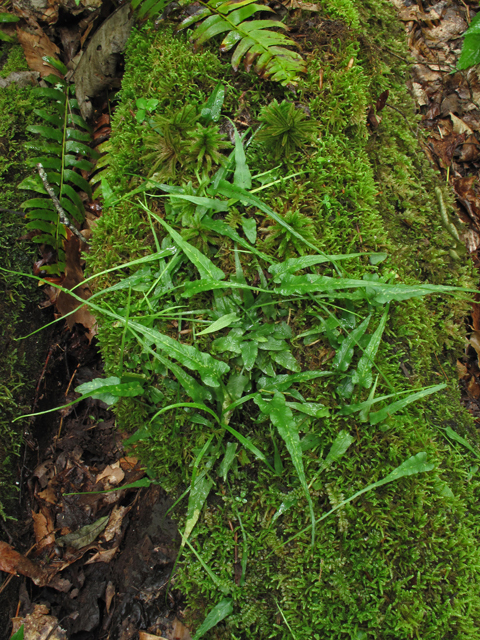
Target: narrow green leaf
(221,323)
(8,17)
(282,418)
(49,117)
(209,203)
(213,107)
(455,436)
(196,500)
(227,460)
(296,264)
(224,229)
(56,64)
(285,381)
(344,355)
(223,609)
(314,409)
(18,635)
(209,368)
(46,132)
(78,181)
(384,413)
(221,586)
(40,203)
(312,283)
(249,226)
(205,266)
(414,465)
(338,448)
(47,92)
(363,373)
(246,442)
(242,177)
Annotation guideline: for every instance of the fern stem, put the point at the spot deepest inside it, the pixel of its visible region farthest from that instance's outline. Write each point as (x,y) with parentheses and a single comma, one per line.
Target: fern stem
(56,202)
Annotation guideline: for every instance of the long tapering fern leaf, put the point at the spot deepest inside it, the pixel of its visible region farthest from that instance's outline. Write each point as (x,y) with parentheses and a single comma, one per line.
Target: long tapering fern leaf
(254,40)
(63,150)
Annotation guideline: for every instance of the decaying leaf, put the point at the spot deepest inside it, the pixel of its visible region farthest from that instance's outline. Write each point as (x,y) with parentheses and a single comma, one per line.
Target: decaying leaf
(83,536)
(459,126)
(73,278)
(462,371)
(43,528)
(115,522)
(13,562)
(39,625)
(35,47)
(113,474)
(104,555)
(109,595)
(475,341)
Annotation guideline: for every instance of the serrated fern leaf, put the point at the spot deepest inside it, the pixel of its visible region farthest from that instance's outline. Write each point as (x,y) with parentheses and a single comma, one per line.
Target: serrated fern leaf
(254,40)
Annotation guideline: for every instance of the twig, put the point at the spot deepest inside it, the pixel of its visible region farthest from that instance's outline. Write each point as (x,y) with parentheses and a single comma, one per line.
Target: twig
(56,202)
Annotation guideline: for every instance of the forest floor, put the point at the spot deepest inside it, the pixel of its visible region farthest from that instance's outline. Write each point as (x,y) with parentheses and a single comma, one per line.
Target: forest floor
(100,491)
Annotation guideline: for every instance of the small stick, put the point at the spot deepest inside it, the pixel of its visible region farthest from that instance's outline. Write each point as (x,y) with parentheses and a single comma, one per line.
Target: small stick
(61,213)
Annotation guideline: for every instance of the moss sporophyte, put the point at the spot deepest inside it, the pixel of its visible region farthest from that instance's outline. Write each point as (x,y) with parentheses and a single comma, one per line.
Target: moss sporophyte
(258,310)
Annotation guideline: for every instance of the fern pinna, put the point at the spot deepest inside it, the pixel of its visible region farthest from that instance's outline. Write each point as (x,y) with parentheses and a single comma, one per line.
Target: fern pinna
(64,149)
(254,39)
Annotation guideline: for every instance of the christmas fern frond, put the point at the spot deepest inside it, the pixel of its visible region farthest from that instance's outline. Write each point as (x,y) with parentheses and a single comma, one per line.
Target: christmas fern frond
(63,150)
(254,39)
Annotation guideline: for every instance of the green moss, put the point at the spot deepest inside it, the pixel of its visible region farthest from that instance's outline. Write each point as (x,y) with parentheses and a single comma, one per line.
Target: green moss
(14,59)
(18,301)
(398,563)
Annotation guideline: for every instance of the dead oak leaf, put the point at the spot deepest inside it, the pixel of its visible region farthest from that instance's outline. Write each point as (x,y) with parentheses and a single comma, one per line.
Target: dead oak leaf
(35,46)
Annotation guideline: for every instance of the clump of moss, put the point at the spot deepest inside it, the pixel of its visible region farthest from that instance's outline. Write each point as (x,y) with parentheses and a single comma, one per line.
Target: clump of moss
(401,562)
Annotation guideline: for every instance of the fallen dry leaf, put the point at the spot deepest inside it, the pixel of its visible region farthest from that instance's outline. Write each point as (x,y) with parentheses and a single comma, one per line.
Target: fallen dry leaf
(473,388)
(115,522)
(43,528)
(462,371)
(143,635)
(74,277)
(109,595)
(49,495)
(459,126)
(35,46)
(104,555)
(13,562)
(113,473)
(128,463)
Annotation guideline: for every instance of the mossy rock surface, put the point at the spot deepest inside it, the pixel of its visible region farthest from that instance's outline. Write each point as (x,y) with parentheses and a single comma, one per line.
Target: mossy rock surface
(401,561)
(20,359)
